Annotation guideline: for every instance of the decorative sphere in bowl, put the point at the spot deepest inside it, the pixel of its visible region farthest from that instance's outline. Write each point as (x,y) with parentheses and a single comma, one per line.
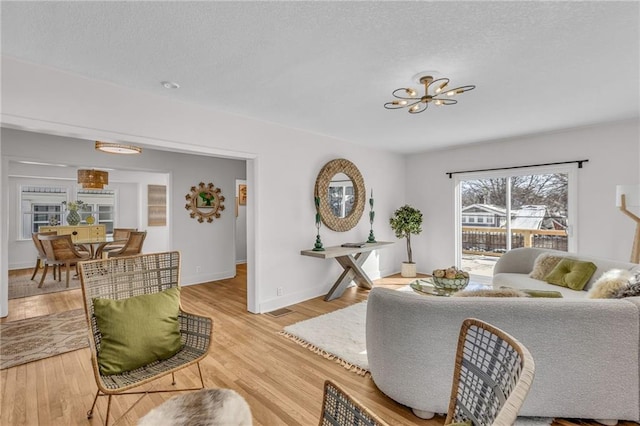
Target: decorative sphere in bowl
(450,278)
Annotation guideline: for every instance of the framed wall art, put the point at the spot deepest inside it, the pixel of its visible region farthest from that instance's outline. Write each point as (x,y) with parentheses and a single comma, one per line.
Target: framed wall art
(242,195)
(156,205)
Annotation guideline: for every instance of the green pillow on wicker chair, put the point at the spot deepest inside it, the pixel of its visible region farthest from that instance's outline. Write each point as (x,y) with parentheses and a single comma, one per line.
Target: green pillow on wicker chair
(137,331)
(571,273)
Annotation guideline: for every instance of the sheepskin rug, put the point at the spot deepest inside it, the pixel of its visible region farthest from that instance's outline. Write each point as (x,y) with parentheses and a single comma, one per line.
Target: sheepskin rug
(207,407)
(502,292)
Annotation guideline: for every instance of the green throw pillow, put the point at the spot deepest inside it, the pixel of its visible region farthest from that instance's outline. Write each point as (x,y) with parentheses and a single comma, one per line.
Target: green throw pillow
(571,273)
(138,330)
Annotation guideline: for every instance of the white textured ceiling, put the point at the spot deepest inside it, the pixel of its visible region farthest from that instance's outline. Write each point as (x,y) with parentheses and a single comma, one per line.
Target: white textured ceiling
(328,67)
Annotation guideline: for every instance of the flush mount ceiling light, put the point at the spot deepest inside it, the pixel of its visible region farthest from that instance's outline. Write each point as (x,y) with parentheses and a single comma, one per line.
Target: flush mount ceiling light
(93,179)
(435,91)
(116,148)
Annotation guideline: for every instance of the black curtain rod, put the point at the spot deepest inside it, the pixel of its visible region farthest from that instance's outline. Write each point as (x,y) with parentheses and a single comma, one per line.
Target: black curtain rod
(519,167)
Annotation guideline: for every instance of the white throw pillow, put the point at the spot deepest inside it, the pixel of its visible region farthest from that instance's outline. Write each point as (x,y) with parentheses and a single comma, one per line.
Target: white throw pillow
(544,264)
(609,284)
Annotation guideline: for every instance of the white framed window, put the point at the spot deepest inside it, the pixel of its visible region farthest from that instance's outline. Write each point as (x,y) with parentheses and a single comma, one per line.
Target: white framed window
(100,204)
(527,200)
(40,206)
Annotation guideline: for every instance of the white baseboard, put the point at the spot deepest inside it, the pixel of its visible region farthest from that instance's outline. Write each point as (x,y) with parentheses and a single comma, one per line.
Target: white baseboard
(289,299)
(21,265)
(205,278)
(384,273)
(278,302)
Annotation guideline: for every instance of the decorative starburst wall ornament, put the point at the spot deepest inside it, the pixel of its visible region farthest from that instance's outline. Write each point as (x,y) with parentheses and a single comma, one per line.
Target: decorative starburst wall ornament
(205,202)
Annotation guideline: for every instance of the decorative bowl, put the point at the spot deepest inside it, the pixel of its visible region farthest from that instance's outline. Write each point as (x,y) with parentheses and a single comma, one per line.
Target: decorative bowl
(450,283)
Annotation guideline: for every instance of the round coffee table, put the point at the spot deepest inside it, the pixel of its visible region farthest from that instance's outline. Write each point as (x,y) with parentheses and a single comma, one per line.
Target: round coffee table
(426,287)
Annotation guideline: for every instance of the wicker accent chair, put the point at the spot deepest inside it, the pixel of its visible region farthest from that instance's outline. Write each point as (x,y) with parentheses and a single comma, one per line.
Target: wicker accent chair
(41,258)
(492,376)
(60,250)
(132,246)
(340,409)
(124,277)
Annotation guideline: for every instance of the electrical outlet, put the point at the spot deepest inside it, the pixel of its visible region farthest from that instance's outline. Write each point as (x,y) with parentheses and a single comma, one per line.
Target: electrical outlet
(197,269)
(279,291)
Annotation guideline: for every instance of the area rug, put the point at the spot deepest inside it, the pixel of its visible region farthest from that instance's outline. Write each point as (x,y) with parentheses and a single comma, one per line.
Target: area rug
(21,286)
(338,335)
(42,337)
(341,336)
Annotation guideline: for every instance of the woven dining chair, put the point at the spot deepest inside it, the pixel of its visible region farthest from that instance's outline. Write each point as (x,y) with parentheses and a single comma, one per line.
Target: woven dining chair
(492,376)
(120,237)
(41,259)
(340,409)
(60,250)
(132,246)
(125,277)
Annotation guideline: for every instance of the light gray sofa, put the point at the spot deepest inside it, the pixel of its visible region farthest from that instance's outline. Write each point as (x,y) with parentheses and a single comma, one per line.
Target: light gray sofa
(586,350)
(513,268)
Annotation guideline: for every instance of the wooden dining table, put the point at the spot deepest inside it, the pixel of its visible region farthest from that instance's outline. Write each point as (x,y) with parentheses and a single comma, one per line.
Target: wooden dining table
(95,245)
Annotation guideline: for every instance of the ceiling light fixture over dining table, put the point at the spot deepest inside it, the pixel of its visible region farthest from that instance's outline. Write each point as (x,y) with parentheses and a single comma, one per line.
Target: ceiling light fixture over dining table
(93,179)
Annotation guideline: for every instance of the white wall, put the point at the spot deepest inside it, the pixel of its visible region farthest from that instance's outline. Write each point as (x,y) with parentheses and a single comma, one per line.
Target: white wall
(207,249)
(612,151)
(158,237)
(282,168)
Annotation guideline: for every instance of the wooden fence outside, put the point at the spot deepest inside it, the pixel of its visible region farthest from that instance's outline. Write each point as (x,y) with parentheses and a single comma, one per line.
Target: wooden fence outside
(493,241)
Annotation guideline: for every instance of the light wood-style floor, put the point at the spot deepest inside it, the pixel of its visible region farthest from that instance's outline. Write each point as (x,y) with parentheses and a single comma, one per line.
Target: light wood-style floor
(281,381)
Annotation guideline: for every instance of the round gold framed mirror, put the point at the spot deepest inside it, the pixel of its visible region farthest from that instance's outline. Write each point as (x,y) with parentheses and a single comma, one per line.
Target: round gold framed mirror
(340,187)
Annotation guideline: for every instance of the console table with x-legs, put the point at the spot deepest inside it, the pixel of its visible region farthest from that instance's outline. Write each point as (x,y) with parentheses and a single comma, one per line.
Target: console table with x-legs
(351,259)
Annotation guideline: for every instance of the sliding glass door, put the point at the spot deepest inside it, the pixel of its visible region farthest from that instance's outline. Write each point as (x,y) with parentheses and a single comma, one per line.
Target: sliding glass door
(498,211)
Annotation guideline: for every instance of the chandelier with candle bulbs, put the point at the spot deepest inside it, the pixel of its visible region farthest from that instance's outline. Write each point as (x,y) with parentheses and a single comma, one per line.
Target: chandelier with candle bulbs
(436,91)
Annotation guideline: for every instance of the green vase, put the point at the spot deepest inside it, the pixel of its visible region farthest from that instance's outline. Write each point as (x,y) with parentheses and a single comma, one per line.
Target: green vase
(73,218)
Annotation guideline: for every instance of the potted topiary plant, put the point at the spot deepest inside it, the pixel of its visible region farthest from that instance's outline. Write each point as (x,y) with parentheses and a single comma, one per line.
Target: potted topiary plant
(406,221)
